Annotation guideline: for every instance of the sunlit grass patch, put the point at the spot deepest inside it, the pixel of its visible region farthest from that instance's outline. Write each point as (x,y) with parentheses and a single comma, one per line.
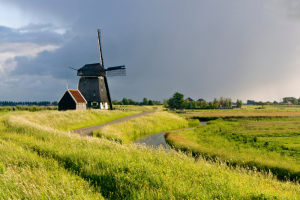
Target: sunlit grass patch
(25,175)
(128,171)
(265,144)
(66,120)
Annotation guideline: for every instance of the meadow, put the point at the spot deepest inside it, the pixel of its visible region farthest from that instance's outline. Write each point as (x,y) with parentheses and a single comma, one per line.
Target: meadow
(39,160)
(67,120)
(245,111)
(263,143)
(138,108)
(27,108)
(153,123)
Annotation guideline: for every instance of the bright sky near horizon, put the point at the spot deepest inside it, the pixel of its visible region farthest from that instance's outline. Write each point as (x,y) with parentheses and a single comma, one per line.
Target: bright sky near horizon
(247,50)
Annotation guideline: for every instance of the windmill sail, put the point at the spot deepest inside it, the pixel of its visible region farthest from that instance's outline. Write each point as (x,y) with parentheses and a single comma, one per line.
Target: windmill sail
(116,71)
(100,50)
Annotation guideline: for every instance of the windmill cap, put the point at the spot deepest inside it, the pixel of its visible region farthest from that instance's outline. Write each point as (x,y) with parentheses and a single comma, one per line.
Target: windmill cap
(95,69)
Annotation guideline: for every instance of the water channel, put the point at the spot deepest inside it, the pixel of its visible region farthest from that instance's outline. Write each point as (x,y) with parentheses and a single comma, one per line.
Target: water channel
(157,139)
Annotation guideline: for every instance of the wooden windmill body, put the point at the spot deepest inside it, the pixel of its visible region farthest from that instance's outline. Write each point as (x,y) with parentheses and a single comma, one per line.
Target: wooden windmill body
(93,83)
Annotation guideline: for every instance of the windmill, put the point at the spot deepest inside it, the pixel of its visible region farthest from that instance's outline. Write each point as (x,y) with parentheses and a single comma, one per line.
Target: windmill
(93,81)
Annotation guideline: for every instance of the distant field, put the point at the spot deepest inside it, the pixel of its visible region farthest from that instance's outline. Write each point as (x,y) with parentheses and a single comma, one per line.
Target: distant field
(246,111)
(138,108)
(267,144)
(38,160)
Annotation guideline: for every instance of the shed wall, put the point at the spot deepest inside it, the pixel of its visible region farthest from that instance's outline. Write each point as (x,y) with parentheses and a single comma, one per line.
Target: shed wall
(67,102)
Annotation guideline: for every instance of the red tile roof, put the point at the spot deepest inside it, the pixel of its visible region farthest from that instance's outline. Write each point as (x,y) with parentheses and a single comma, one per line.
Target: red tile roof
(77,96)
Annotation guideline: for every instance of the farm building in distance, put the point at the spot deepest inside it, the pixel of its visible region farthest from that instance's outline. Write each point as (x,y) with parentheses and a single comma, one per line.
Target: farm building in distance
(200,100)
(190,99)
(72,100)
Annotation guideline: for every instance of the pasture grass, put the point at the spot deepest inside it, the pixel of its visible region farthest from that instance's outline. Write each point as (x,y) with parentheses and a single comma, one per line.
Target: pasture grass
(117,171)
(68,120)
(153,123)
(27,108)
(265,144)
(246,111)
(138,108)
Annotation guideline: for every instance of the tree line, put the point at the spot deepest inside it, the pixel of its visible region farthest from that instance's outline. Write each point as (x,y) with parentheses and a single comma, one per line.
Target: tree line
(177,101)
(145,101)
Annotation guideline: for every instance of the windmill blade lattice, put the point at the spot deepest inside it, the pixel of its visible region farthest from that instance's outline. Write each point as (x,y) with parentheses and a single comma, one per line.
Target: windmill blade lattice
(116,71)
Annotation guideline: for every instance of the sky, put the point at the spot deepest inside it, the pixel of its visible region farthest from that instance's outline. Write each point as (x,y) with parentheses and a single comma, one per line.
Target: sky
(247,50)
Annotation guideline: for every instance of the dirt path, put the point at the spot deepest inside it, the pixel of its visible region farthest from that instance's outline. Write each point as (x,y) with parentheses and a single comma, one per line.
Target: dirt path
(88,131)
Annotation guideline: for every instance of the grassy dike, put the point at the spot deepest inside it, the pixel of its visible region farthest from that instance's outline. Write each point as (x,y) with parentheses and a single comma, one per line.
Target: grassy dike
(67,120)
(90,168)
(153,123)
(261,143)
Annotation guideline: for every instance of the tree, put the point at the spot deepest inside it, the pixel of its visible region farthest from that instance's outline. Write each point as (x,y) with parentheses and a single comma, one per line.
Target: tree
(295,101)
(230,102)
(165,103)
(151,103)
(145,101)
(131,102)
(216,105)
(198,104)
(115,102)
(215,101)
(193,105)
(211,105)
(203,104)
(125,101)
(186,104)
(239,103)
(222,101)
(176,101)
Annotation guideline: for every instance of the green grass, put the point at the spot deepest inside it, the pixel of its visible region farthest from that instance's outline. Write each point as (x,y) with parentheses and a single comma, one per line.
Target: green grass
(266,144)
(67,120)
(139,108)
(153,123)
(26,175)
(53,159)
(27,108)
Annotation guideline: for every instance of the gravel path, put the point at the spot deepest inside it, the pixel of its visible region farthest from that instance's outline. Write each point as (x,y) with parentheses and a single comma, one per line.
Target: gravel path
(88,131)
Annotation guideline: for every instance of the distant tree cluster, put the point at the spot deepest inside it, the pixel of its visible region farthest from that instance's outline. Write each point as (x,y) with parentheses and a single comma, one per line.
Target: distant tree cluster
(239,103)
(177,101)
(27,103)
(132,102)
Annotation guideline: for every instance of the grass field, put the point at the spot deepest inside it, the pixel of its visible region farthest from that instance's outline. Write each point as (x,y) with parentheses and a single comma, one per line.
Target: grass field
(139,108)
(39,162)
(152,123)
(266,144)
(246,111)
(67,120)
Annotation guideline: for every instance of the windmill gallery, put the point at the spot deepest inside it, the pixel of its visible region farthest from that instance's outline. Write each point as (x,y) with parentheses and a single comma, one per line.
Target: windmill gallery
(93,91)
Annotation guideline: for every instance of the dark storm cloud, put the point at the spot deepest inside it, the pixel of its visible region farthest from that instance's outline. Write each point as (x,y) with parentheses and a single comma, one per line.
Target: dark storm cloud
(34,34)
(73,54)
(200,48)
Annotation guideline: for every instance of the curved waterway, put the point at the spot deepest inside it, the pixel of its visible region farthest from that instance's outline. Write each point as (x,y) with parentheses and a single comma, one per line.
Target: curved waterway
(157,139)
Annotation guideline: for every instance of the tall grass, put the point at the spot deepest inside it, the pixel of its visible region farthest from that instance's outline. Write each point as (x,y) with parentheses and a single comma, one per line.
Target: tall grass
(139,172)
(26,108)
(67,120)
(26,175)
(153,123)
(265,144)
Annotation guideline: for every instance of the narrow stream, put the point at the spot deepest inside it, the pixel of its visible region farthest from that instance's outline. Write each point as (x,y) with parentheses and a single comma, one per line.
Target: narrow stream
(157,139)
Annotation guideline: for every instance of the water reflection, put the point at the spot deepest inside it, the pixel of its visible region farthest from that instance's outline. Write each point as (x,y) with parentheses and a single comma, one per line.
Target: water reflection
(157,139)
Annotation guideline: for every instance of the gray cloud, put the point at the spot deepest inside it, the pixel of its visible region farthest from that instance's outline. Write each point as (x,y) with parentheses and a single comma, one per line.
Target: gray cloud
(200,48)
(38,36)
